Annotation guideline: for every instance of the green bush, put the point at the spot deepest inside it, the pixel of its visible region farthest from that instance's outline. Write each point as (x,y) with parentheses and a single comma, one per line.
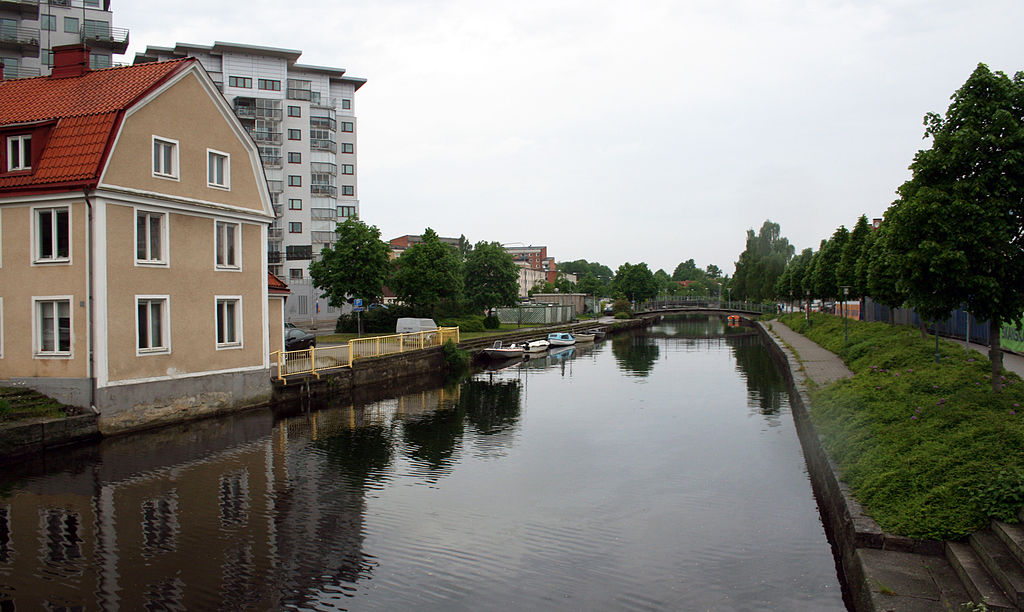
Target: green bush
(467,323)
(492,322)
(455,359)
(378,320)
(623,315)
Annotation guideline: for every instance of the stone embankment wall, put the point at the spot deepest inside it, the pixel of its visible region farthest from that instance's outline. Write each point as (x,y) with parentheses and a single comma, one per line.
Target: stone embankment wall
(22,439)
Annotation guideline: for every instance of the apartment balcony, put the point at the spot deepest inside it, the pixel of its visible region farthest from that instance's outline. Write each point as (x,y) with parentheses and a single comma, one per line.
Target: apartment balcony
(274,233)
(323,237)
(29,9)
(299,252)
(323,168)
(19,39)
(275,257)
(299,94)
(11,72)
(271,161)
(323,123)
(319,144)
(277,210)
(323,214)
(275,186)
(324,190)
(115,39)
(265,136)
(250,111)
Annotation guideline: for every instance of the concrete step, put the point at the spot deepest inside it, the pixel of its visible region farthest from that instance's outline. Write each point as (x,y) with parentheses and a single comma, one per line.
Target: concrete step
(1012,536)
(1000,563)
(976,579)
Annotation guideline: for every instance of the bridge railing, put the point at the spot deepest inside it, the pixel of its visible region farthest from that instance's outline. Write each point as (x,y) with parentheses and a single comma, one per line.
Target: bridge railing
(735,305)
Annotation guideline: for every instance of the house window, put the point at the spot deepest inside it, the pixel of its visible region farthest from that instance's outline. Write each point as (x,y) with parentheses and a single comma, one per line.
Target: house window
(346,211)
(71,25)
(294,204)
(53,234)
(48,23)
(243,82)
(228,318)
(151,324)
(349,190)
(348,147)
(294,273)
(218,169)
(165,158)
(149,237)
(228,236)
(294,180)
(294,134)
(98,61)
(346,104)
(295,227)
(19,152)
(294,111)
(294,158)
(269,84)
(347,126)
(348,169)
(53,326)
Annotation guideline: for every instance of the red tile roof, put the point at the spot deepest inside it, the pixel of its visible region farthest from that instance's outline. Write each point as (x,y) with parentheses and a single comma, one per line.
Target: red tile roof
(86,109)
(276,285)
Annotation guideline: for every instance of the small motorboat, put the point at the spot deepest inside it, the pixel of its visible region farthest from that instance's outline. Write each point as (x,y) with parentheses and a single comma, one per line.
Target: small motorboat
(497,351)
(534,346)
(585,336)
(598,333)
(561,339)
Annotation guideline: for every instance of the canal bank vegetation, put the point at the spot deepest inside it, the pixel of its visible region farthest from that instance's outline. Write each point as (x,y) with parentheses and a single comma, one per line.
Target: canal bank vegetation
(929,449)
(20,404)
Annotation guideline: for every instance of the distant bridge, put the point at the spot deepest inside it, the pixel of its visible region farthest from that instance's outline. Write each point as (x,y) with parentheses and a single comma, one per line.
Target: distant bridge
(705,306)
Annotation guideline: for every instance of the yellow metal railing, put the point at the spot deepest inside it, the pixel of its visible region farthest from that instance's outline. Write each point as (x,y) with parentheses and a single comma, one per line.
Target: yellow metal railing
(314,361)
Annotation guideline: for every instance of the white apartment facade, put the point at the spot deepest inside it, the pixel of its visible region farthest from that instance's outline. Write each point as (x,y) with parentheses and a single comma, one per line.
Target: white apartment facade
(302,118)
(30,29)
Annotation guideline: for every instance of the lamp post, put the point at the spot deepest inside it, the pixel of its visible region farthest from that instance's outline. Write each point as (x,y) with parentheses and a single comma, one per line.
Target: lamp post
(730,297)
(846,319)
(807,310)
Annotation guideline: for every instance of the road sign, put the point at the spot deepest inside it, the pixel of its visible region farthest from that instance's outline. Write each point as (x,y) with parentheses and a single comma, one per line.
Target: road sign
(357,309)
(358,302)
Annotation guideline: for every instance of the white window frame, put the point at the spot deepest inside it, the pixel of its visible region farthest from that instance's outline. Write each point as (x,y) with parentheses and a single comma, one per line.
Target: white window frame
(211,155)
(218,302)
(165,325)
(18,141)
(37,325)
(236,265)
(161,258)
(37,258)
(165,173)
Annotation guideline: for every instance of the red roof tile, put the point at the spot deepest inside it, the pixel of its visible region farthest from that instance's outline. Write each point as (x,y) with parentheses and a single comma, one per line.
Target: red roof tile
(276,285)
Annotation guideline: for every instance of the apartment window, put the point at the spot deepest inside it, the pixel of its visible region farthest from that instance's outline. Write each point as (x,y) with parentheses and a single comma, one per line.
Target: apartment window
(53,326)
(295,227)
(294,158)
(217,169)
(98,61)
(294,180)
(228,237)
(348,147)
(346,104)
(71,25)
(11,67)
(95,28)
(92,3)
(150,228)
(294,134)
(53,234)
(48,22)
(348,169)
(349,190)
(347,126)
(294,111)
(165,158)
(346,211)
(269,84)
(294,273)
(45,57)
(151,324)
(295,204)
(237,81)
(19,152)
(228,319)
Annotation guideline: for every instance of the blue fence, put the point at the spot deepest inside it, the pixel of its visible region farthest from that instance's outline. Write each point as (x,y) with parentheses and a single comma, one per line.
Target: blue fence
(954,327)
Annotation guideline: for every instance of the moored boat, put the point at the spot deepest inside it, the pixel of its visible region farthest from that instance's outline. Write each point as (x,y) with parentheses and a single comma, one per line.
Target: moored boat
(497,351)
(585,336)
(561,339)
(598,333)
(534,346)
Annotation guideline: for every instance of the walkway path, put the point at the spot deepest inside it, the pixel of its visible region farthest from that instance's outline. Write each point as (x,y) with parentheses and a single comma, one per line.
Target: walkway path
(821,365)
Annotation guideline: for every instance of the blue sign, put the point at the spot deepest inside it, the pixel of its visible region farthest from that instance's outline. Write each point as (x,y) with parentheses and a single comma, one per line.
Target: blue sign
(357,302)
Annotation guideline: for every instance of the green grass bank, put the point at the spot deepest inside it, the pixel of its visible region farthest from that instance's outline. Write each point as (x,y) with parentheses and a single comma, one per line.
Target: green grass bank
(929,449)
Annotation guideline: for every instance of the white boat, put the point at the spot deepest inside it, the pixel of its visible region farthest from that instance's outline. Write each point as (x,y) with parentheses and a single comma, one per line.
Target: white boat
(497,351)
(535,346)
(561,339)
(585,336)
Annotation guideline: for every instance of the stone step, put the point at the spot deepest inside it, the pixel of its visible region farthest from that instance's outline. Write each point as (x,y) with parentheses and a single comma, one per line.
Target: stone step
(1012,536)
(976,579)
(1000,563)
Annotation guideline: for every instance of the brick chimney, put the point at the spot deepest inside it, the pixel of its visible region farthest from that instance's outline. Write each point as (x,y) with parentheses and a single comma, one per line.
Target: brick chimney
(70,60)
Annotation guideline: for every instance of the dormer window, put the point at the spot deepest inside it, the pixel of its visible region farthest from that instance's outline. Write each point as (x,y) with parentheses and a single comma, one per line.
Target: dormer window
(19,152)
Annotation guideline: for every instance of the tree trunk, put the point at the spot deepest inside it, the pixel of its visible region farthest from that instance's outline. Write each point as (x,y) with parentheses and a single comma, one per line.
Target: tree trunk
(892,317)
(924,331)
(995,353)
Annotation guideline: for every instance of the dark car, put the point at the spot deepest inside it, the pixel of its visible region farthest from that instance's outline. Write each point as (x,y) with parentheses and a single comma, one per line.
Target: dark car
(296,339)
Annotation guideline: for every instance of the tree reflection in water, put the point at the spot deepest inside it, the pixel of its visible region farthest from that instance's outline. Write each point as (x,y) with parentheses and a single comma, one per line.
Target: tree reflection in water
(635,354)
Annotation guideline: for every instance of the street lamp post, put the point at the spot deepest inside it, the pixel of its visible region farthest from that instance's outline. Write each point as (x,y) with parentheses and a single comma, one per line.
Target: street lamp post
(807,310)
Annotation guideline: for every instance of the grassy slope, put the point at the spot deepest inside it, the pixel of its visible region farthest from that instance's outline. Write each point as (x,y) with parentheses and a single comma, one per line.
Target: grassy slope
(929,449)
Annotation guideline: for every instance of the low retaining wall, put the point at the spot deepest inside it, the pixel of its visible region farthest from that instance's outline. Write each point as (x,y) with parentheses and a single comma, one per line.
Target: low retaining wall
(21,439)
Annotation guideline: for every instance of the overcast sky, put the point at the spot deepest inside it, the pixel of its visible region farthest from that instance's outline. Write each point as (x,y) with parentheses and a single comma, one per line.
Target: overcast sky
(643,131)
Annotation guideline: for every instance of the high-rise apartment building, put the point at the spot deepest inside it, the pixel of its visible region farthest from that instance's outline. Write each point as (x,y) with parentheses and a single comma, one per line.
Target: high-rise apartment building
(302,117)
(30,29)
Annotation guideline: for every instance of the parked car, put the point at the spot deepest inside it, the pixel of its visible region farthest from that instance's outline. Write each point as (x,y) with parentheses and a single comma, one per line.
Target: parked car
(296,339)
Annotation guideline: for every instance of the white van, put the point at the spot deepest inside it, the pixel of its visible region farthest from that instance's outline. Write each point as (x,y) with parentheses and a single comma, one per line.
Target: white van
(409,325)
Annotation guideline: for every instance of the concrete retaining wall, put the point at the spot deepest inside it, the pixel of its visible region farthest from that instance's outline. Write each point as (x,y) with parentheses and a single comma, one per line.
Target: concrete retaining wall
(21,439)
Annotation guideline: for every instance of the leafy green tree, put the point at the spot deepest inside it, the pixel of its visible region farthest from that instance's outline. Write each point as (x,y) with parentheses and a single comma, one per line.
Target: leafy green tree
(826,285)
(846,274)
(356,266)
(883,273)
(491,277)
(580,267)
(972,174)
(798,268)
(688,270)
(761,263)
(807,282)
(427,273)
(713,271)
(636,282)
(590,285)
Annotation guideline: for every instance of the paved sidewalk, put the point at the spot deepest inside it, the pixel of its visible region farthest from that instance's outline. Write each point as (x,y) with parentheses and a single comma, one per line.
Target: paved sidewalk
(821,365)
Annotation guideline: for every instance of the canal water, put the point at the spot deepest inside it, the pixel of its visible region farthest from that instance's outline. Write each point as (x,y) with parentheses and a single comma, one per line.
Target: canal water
(657,470)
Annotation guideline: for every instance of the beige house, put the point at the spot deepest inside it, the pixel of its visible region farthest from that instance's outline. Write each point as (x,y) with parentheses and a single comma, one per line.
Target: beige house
(133,237)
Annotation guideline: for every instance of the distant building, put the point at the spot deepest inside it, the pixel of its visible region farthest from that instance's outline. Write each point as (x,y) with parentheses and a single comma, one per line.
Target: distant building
(535,258)
(400,244)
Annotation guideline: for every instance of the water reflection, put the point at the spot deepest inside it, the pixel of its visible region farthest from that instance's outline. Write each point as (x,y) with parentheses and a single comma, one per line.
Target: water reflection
(636,354)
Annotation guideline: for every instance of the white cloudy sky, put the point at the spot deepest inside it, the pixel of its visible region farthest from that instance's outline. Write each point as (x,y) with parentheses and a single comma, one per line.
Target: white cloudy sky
(652,130)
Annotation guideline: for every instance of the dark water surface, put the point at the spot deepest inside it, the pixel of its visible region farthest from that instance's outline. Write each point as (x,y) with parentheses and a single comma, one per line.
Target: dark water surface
(653,471)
